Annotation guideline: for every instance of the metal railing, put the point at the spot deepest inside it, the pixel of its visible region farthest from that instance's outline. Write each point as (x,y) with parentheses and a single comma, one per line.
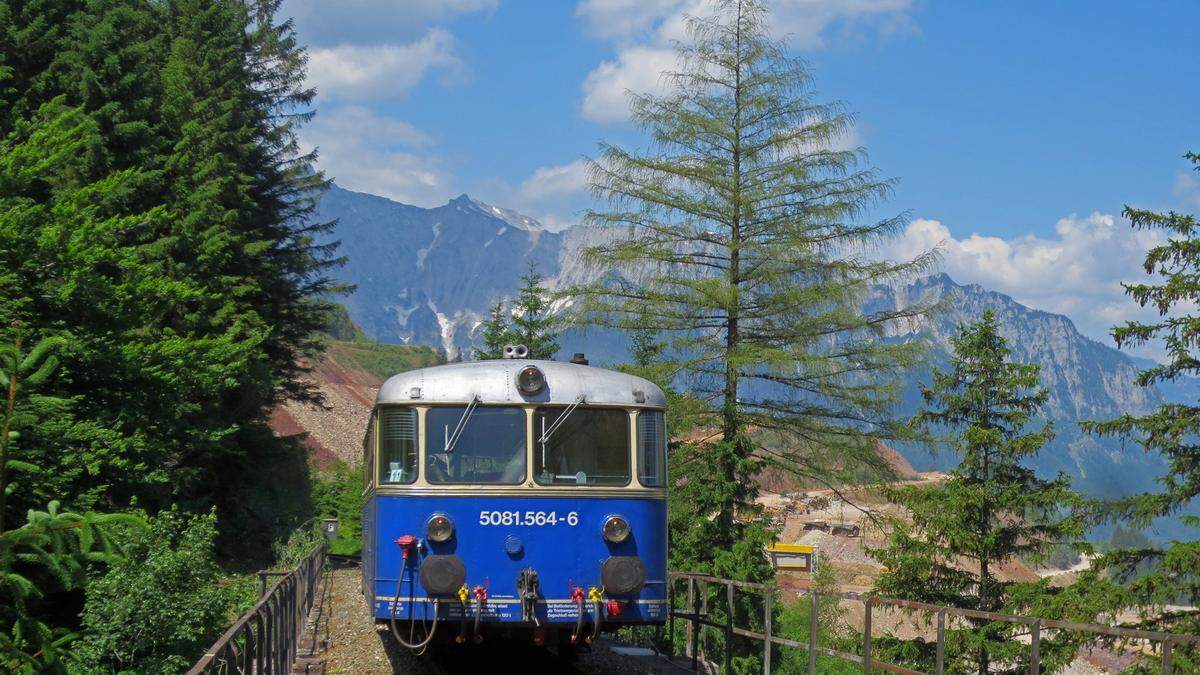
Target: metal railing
(696,613)
(264,640)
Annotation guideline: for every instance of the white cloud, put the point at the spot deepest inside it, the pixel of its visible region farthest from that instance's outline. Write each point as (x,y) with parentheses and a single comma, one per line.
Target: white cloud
(1186,190)
(637,69)
(380,72)
(380,155)
(644,31)
(327,23)
(622,18)
(552,181)
(1077,273)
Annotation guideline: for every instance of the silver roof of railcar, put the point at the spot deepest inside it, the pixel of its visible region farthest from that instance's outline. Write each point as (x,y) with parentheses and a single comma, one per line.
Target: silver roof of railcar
(495,382)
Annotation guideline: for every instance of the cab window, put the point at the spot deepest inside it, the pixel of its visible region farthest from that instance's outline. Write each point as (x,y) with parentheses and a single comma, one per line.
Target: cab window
(652,448)
(397,446)
(581,446)
(475,444)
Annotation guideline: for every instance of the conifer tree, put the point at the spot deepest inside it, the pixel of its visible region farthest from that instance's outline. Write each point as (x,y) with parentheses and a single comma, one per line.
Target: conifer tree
(497,332)
(739,234)
(991,510)
(532,324)
(1160,575)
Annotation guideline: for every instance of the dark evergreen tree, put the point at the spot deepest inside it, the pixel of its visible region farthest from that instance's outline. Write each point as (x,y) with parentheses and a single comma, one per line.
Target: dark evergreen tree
(1160,575)
(532,323)
(991,510)
(497,332)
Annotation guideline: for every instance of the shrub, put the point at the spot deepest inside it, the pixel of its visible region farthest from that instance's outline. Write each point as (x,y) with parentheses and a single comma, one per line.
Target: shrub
(160,607)
(339,495)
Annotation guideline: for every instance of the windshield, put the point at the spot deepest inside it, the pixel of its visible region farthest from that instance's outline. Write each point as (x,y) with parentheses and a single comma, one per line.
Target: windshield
(489,448)
(589,447)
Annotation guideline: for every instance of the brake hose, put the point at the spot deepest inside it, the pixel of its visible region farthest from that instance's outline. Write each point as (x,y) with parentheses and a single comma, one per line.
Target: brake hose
(596,596)
(577,596)
(412,624)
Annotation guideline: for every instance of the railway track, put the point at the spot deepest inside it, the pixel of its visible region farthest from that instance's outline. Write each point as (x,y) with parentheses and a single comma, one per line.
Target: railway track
(355,644)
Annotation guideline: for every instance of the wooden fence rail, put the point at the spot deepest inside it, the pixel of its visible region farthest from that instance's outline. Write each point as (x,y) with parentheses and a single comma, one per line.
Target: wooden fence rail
(264,640)
(696,613)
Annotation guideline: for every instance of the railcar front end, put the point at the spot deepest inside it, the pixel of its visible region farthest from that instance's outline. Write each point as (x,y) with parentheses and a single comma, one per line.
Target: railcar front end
(515,495)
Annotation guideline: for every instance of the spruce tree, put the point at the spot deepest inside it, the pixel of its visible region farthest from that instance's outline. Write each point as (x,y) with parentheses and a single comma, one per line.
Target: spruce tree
(497,332)
(532,324)
(739,234)
(991,510)
(1167,574)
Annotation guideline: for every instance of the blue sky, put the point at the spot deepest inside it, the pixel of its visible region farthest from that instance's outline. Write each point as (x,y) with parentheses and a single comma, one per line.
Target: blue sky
(1016,130)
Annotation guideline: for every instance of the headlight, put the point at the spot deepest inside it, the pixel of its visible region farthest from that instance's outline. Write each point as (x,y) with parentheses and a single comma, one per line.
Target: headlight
(616,529)
(439,529)
(530,380)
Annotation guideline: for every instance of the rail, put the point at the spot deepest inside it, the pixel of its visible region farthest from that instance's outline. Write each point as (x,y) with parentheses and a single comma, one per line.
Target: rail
(698,618)
(264,640)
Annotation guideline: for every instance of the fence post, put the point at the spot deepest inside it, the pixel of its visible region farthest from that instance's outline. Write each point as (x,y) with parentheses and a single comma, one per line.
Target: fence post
(1167,665)
(941,642)
(690,627)
(812,633)
(729,629)
(695,626)
(262,583)
(768,608)
(1035,658)
(867,636)
(671,614)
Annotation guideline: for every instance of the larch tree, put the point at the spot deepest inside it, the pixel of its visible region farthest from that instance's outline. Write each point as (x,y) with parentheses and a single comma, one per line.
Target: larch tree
(741,232)
(991,510)
(1168,574)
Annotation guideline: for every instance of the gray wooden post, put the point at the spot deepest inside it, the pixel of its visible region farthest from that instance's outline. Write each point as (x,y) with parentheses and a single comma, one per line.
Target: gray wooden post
(768,609)
(941,642)
(867,637)
(693,627)
(729,629)
(1035,639)
(1167,665)
(812,633)
(691,603)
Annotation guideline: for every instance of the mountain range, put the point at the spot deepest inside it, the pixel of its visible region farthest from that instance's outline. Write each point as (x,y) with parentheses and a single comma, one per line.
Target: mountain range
(429,276)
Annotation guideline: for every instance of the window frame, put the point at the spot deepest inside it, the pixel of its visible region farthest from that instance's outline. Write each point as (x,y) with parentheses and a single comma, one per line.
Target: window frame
(630,444)
(377,421)
(426,450)
(664,480)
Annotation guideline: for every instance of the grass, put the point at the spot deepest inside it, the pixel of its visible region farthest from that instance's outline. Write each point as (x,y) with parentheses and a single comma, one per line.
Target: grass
(383,360)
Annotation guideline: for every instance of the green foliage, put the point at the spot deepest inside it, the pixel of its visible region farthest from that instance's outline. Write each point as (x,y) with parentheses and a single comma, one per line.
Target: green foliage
(529,323)
(155,214)
(1160,575)
(53,549)
(532,324)
(991,510)
(339,495)
(159,608)
(495,334)
(341,327)
(737,235)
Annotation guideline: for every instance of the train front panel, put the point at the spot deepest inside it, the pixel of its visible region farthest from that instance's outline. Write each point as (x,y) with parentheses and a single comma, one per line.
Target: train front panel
(499,538)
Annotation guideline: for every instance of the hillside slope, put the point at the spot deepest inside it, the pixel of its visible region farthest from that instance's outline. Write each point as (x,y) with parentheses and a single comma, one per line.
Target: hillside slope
(348,377)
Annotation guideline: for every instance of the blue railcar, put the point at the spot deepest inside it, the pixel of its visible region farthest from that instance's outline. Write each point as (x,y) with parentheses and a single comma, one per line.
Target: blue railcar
(518,495)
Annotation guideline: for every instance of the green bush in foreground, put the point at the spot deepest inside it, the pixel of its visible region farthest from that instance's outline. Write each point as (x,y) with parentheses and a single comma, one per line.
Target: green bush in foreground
(156,610)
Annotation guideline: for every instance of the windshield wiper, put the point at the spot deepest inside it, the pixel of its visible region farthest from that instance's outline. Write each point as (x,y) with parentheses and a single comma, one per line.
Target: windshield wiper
(452,438)
(558,422)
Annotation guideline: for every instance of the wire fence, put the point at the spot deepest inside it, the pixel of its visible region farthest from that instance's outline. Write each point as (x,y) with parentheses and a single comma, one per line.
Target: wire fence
(693,606)
(265,639)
